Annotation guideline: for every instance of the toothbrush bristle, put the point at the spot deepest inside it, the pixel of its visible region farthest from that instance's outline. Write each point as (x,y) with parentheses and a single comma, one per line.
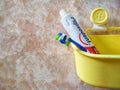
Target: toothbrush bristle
(62,38)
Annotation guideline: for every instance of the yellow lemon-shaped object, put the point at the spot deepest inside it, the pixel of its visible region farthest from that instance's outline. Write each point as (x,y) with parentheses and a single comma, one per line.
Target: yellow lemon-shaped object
(99,16)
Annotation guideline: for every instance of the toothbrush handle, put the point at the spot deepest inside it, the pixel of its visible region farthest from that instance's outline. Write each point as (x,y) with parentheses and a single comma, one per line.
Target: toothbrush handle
(78,45)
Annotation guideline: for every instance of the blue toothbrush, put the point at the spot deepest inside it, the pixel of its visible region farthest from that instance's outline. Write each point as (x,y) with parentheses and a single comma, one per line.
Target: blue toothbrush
(64,39)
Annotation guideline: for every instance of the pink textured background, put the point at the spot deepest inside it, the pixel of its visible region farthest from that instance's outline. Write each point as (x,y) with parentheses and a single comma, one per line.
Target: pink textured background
(30,58)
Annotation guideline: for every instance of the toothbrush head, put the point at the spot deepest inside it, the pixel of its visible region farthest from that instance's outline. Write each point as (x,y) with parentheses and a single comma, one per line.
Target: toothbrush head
(62,38)
(58,36)
(68,42)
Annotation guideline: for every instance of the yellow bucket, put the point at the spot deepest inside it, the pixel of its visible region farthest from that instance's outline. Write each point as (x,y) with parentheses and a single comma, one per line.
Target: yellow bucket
(103,69)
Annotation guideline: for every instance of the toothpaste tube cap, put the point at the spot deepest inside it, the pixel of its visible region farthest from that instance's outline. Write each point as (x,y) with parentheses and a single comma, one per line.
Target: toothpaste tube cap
(99,16)
(63,13)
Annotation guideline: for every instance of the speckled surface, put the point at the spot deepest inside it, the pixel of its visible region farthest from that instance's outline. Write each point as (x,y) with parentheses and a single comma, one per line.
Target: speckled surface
(30,58)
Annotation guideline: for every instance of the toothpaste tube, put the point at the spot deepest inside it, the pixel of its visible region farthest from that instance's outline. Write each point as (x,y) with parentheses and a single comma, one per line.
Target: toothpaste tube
(64,39)
(76,33)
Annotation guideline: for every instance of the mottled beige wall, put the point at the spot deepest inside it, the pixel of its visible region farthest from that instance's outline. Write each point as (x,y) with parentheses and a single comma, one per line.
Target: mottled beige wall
(30,58)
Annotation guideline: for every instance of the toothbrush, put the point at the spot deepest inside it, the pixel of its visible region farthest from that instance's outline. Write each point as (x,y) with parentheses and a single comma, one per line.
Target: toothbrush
(64,39)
